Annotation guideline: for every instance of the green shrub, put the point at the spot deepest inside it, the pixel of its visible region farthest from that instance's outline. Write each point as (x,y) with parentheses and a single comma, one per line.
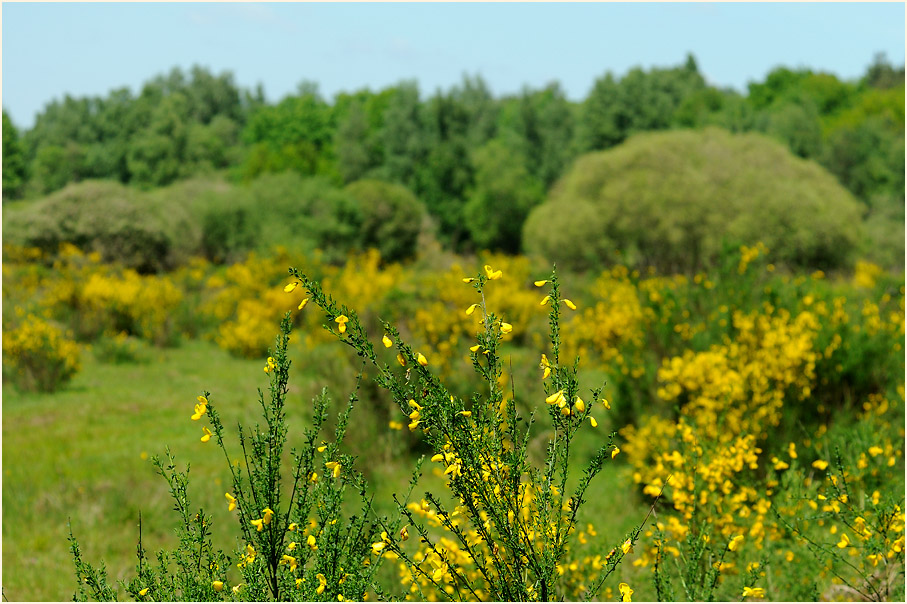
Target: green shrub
(228,232)
(109,218)
(672,200)
(391,218)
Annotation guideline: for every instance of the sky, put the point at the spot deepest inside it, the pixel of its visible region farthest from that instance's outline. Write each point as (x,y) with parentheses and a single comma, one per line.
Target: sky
(49,50)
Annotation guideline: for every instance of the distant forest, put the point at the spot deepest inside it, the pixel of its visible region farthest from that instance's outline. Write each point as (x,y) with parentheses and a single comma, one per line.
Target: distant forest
(457,150)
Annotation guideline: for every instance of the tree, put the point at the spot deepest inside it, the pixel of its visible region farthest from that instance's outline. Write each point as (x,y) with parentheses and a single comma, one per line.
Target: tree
(503,194)
(672,200)
(15,166)
(391,218)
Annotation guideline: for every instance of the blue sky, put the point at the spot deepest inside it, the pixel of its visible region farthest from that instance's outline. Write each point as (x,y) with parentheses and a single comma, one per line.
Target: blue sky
(88,49)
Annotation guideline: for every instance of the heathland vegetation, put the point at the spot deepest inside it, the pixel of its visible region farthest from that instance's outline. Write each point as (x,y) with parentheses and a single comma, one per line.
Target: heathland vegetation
(704,401)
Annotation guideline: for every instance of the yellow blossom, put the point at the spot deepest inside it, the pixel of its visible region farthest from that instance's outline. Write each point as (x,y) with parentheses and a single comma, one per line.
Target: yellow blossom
(420,358)
(302,304)
(875,451)
(143,591)
(545,300)
(606,403)
(540,283)
(290,561)
(267,513)
(753,592)
(231,502)
(593,422)
(580,405)
(311,542)
(335,466)
(471,309)
(570,304)
(820,465)
(615,452)
(474,348)
(207,435)
(492,274)
(401,359)
(291,286)
(844,542)
(735,543)
(341,321)
(322,583)
(200,410)
(404,534)
(625,592)
(217,585)
(258,524)
(386,341)
(506,327)
(465,413)
(292,526)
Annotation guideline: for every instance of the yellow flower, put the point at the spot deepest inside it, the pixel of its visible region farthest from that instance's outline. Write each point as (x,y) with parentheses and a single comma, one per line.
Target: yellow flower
(322,583)
(875,451)
(302,304)
(200,410)
(506,327)
(258,524)
(626,547)
(779,464)
(377,547)
(386,341)
(310,541)
(580,405)
(465,413)
(492,274)
(570,304)
(468,279)
(471,309)
(593,422)
(820,465)
(545,300)
(289,560)
(236,588)
(404,534)
(625,592)
(291,546)
(555,397)
(615,452)
(143,591)
(207,435)
(217,585)
(735,543)
(231,502)
(341,322)
(420,358)
(292,526)
(267,513)
(291,286)
(844,542)
(474,348)
(401,360)
(335,466)
(753,592)
(606,403)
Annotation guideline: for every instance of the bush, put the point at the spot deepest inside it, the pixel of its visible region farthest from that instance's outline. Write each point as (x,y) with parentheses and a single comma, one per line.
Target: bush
(672,200)
(39,355)
(391,218)
(108,218)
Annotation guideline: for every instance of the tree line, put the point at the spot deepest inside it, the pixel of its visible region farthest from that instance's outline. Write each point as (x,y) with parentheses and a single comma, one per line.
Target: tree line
(478,163)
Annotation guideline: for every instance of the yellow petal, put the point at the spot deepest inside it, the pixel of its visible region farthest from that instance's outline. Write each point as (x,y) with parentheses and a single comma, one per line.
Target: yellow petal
(544,300)
(420,358)
(386,341)
(553,398)
(303,303)
(506,327)
(593,422)
(474,348)
(207,435)
(471,309)
(541,283)
(569,304)
(290,287)
(580,405)
(401,360)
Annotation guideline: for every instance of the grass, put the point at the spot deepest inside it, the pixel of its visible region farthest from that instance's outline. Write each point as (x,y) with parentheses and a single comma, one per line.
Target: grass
(82,455)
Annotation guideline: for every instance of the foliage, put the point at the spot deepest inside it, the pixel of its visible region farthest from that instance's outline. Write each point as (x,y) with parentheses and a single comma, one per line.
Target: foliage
(39,355)
(15,166)
(667,200)
(391,218)
(110,219)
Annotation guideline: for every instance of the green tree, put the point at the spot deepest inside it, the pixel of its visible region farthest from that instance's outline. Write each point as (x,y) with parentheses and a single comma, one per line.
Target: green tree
(15,166)
(672,200)
(503,194)
(402,135)
(391,218)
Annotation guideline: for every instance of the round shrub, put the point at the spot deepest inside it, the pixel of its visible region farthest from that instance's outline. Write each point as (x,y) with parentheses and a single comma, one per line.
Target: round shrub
(672,200)
(391,218)
(39,355)
(109,218)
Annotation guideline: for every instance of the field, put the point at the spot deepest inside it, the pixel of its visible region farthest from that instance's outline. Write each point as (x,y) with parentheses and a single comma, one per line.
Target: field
(747,389)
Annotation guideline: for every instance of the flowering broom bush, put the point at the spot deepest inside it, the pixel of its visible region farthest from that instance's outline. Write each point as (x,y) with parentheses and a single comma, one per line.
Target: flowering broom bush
(507,523)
